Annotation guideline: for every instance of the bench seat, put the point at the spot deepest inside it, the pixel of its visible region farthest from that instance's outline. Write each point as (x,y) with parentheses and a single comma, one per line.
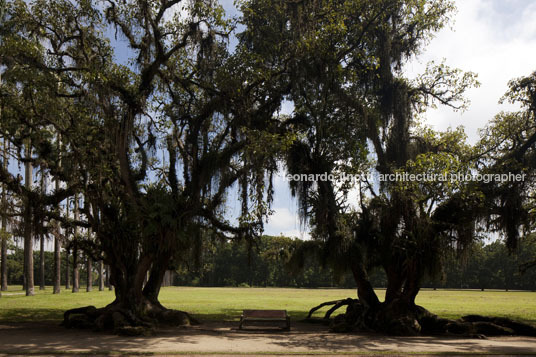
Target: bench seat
(265,316)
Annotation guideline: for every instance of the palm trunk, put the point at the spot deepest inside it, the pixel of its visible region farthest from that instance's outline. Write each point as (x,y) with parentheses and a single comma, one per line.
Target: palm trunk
(89,274)
(76,271)
(67,252)
(108,282)
(89,268)
(67,275)
(3,256)
(28,239)
(57,265)
(101,275)
(57,242)
(42,244)
(42,263)
(3,248)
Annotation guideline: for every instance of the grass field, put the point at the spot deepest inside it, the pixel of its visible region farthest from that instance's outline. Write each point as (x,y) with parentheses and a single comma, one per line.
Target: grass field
(227,303)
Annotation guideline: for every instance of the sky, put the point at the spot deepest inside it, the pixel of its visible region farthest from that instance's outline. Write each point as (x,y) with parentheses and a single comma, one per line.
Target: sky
(495,39)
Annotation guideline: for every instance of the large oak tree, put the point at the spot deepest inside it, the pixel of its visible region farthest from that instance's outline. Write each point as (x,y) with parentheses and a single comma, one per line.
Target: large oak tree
(153,146)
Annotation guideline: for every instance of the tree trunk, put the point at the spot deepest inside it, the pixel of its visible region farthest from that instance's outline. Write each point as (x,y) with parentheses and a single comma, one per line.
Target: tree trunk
(109,283)
(394,283)
(42,244)
(3,257)
(57,264)
(413,283)
(101,275)
(365,291)
(156,278)
(89,268)
(42,262)
(107,277)
(135,310)
(3,248)
(398,314)
(57,242)
(67,273)
(89,274)
(76,271)
(28,239)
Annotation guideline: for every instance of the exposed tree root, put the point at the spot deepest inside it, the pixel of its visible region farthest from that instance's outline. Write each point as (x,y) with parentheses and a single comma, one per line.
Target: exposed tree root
(337,304)
(125,321)
(398,318)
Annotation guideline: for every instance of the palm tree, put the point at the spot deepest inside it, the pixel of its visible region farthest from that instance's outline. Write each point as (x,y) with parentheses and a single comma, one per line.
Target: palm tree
(42,243)
(28,239)
(67,251)
(76,271)
(101,275)
(89,269)
(3,254)
(57,254)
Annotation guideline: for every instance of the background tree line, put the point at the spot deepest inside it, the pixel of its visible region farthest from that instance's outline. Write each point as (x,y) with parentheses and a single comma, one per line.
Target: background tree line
(15,269)
(486,266)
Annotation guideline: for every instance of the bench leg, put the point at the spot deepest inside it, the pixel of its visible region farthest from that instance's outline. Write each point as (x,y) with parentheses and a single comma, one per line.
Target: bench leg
(287,328)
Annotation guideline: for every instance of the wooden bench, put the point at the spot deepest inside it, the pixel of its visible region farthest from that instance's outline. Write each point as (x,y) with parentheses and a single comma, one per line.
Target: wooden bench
(265,316)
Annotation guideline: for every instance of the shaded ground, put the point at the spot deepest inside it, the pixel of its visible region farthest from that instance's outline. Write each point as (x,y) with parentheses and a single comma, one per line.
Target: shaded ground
(223,337)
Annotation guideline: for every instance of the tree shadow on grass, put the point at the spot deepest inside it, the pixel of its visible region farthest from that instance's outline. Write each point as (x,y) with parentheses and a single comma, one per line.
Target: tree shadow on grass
(31,315)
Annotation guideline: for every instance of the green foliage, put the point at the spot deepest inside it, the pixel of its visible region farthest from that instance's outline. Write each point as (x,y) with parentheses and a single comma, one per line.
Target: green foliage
(15,267)
(264,264)
(507,145)
(490,266)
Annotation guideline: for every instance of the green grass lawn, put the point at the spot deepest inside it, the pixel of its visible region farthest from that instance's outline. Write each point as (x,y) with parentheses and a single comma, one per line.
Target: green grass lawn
(227,303)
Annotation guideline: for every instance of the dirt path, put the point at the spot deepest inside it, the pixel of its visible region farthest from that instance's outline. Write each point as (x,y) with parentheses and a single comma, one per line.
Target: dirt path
(48,338)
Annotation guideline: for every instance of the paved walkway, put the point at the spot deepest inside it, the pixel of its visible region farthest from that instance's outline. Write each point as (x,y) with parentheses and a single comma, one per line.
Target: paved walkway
(223,338)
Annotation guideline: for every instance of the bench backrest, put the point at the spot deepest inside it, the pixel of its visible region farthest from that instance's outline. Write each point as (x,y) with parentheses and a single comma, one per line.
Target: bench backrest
(265,313)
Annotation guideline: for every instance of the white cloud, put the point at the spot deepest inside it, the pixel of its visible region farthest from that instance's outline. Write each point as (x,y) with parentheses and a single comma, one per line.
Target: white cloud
(296,233)
(281,220)
(495,39)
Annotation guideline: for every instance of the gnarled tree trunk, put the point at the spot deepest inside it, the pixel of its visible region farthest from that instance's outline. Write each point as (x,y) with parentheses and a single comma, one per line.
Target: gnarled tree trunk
(136,309)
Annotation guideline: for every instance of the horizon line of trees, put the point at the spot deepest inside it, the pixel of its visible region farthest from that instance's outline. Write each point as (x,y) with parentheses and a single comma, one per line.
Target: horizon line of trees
(234,264)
